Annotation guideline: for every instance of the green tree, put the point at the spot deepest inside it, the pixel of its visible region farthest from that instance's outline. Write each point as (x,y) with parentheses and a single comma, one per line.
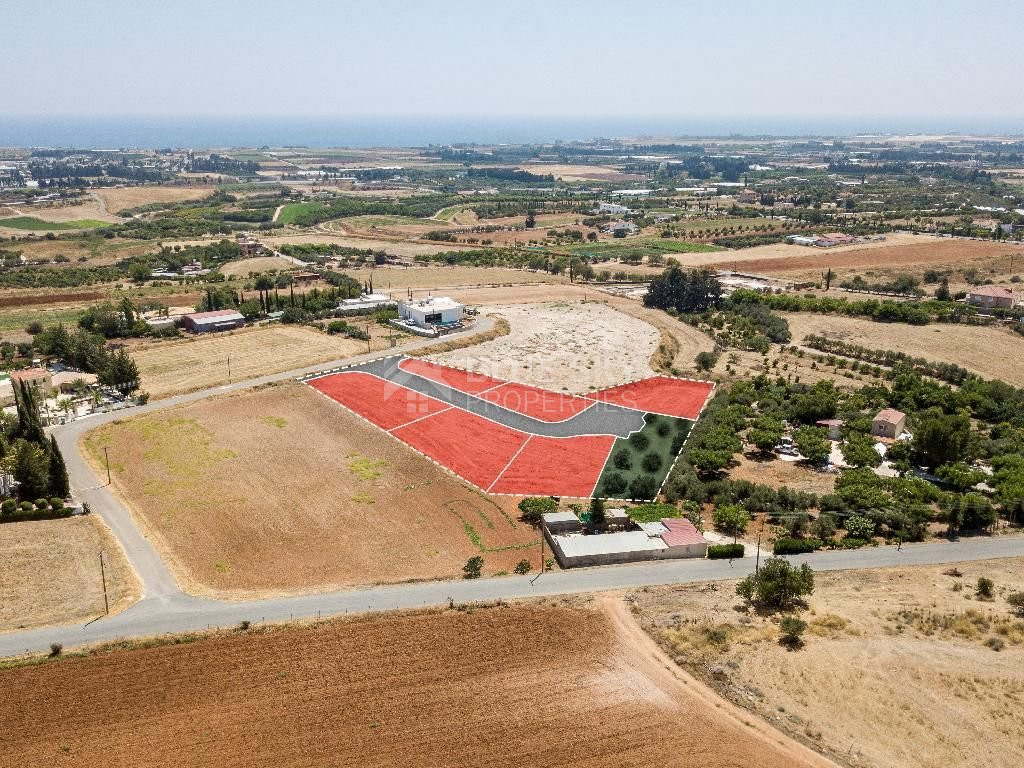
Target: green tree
(859,451)
(597,512)
(792,629)
(30,468)
(942,292)
(473,568)
(777,584)
(959,476)
(941,438)
(534,507)
(121,373)
(985,588)
(731,519)
(813,444)
(30,426)
(860,527)
(766,433)
(522,567)
(58,474)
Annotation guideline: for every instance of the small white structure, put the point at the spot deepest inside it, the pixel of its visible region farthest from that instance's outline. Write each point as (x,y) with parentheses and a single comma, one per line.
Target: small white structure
(431,313)
(613,208)
(366,302)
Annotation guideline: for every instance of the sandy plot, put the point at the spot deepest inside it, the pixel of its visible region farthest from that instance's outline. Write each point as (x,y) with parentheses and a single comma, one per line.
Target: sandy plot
(992,352)
(88,209)
(120,198)
(243,267)
(894,670)
(563,346)
(440,277)
(279,490)
(50,572)
(507,687)
(395,247)
(569,172)
(196,362)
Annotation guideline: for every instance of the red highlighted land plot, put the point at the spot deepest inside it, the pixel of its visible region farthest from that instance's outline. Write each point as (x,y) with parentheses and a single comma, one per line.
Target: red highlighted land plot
(378,401)
(660,394)
(464,381)
(540,404)
(469,445)
(556,466)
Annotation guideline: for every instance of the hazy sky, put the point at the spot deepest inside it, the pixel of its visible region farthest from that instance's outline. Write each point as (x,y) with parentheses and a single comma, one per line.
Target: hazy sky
(420,57)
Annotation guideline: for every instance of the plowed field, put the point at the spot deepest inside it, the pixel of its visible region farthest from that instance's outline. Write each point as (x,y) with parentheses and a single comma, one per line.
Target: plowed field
(508,686)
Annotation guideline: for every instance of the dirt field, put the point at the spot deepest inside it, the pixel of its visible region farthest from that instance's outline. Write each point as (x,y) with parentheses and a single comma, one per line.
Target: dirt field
(299,495)
(172,367)
(50,572)
(895,670)
(259,264)
(563,346)
(777,473)
(570,173)
(396,247)
(88,209)
(510,686)
(898,253)
(994,353)
(120,198)
(439,277)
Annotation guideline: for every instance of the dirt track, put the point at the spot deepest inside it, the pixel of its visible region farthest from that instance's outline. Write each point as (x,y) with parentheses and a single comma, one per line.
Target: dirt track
(519,686)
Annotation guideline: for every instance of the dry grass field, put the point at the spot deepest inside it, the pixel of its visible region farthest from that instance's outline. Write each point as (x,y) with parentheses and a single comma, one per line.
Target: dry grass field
(173,367)
(520,686)
(777,473)
(395,247)
(50,572)
(991,352)
(899,667)
(122,198)
(570,346)
(438,277)
(258,264)
(89,208)
(280,490)
(571,173)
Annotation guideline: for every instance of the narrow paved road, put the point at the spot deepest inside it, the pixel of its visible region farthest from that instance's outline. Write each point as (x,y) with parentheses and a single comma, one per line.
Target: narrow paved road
(181,613)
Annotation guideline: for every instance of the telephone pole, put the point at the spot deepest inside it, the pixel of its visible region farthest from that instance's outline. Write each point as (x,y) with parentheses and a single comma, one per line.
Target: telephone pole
(229,367)
(106,459)
(103,576)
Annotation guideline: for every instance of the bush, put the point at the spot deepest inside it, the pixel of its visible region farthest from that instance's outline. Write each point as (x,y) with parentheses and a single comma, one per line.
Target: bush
(9,507)
(522,567)
(725,551)
(623,459)
(731,518)
(795,546)
(26,506)
(643,487)
(473,567)
(706,360)
(533,507)
(777,584)
(859,527)
(663,429)
(792,629)
(43,504)
(995,643)
(1016,601)
(55,650)
(652,462)
(639,440)
(614,484)
(57,503)
(985,588)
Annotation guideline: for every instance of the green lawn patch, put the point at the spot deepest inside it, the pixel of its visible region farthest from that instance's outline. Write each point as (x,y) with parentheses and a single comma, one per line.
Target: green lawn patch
(293,210)
(34,224)
(653,512)
(639,464)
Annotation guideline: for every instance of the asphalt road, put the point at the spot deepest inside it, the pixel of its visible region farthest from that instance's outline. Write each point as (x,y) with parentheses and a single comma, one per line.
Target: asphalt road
(155,615)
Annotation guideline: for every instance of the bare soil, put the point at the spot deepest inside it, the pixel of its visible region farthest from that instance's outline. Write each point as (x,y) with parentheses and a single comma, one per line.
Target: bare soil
(172,367)
(991,352)
(243,267)
(505,686)
(897,667)
(50,572)
(777,473)
(280,491)
(120,198)
(563,346)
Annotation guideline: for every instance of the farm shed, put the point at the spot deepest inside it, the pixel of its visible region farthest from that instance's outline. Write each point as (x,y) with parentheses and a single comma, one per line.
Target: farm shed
(669,539)
(219,320)
(560,522)
(888,423)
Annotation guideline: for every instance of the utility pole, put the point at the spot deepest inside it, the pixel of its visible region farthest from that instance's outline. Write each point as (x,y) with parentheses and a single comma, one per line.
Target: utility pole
(757,560)
(229,367)
(106,459)
(103,576)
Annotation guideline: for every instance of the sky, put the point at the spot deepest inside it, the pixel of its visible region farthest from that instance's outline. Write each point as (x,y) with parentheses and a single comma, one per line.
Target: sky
(379,58)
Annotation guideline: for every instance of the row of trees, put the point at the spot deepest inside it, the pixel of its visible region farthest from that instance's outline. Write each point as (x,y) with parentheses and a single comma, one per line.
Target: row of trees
(34,461)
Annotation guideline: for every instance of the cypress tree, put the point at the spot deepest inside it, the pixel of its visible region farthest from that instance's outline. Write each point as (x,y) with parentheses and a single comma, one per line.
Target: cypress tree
(59,485)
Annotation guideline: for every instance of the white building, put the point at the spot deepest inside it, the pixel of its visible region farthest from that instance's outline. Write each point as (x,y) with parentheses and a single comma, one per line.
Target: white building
(613,208)
(366,302)
(431,312)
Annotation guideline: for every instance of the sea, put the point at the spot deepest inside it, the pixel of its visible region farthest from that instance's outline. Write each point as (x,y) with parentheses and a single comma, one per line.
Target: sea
(183,132)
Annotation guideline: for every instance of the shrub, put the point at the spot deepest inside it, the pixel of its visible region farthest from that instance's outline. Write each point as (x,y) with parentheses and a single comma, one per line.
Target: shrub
(9,507)
(995,643)
(623,459)
(243,626)
(533,507)
(26,506)
(473,567)
(639,440)
(985,588)
(651,462)
(706,360)
(731,518)
(57,503)
(643,487)
(663,429)
(777,584)
(55,650)
(522,567)
(614,484)
(789,546)
(1016,601)
(860,527)
(43,504)
(792,629)
(725,551)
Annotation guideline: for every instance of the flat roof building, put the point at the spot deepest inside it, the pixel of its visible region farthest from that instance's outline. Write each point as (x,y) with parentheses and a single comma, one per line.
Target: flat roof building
(438,313)
(671,538)
(218,320)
